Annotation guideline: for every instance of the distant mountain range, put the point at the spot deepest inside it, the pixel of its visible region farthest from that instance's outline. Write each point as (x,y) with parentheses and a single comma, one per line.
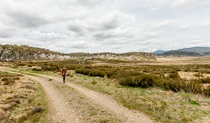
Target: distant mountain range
(193,51)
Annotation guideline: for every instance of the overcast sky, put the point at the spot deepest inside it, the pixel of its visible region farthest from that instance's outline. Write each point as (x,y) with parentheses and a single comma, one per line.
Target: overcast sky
(105,25)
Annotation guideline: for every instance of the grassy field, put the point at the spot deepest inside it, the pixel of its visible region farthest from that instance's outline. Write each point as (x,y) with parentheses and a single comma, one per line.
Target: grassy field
(157,89)
(161,105)
(21,100)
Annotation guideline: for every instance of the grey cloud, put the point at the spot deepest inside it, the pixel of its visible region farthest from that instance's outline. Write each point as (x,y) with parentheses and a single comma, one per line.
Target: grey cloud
(78,29)
(80,46)
(102,36)
(110,24)
(90,2)
(75,28)
(24,19)
(5,33)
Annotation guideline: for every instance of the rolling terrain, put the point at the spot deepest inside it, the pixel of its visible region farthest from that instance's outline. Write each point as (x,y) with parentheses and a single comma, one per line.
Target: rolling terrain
(105,89)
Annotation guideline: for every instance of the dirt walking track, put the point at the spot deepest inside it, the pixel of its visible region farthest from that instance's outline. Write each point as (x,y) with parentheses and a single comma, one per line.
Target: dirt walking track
(61,113)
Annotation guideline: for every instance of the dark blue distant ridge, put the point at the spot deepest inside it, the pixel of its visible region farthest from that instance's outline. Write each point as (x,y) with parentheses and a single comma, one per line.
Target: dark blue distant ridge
(192,51)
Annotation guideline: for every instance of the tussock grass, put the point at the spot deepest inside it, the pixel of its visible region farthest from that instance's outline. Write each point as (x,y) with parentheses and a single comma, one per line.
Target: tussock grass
(199,74)
(21,101)
(207,91)
(205,80)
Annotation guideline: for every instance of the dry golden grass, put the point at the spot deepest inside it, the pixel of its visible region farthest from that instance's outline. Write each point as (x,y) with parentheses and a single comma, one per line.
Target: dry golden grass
(19,99)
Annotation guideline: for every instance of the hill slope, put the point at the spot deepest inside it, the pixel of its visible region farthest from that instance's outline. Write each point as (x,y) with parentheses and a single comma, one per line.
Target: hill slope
(193,51)
(23,52)
(26,53)
(199,50)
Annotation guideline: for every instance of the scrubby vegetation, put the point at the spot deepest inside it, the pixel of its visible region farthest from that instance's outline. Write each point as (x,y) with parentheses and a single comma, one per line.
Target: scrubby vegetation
(165,77)
(162,105)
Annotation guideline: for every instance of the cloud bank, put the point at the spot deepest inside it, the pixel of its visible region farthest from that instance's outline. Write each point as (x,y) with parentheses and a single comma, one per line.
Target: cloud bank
(105,26)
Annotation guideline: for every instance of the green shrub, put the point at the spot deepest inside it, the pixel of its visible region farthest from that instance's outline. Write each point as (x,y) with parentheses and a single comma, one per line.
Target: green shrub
(206,91)
(73,66)
(175,85)
(143,81)
(37,110)
(199,74)
(91,72)
(132,76)
(205,80)
(36,69)
(193,102)
(8,81)
(180,85)
(29,65)
(174,75)
(192,86)
(78,71)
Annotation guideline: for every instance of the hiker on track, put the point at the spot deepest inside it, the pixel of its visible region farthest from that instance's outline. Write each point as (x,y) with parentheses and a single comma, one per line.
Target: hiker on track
(64,73)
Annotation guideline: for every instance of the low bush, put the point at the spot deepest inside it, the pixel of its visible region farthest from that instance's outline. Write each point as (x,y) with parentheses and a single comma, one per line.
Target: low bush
(91,72)
(206,91)
(9,80)
(74,66)
(143,81)
(199,74)
(37,110)
(205,80)
(192,86)
(178,85)
(174,75)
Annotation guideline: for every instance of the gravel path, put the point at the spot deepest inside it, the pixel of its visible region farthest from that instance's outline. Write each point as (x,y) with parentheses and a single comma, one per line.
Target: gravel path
(127,115)
(61,112)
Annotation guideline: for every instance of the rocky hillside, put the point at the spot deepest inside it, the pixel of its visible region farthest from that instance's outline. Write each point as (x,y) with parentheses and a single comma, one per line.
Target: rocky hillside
(25,53)
(120,56)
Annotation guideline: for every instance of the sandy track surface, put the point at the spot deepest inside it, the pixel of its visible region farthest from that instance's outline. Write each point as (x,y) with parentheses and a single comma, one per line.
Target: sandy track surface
(61,112)
(128,116)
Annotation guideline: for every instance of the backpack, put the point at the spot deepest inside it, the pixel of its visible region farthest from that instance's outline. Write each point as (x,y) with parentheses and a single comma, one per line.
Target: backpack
(63,72)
